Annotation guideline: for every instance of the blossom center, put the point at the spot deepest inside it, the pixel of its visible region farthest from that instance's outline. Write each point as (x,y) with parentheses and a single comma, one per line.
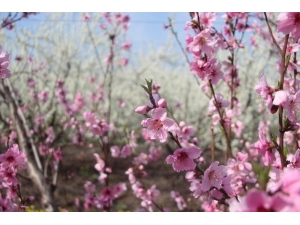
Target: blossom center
(212,175)
(236,168)
(158,124)
(297,19)
(218,104)
(182,156)
(263,209)
(10,159)
(205,20)
(213,73)
(202,41)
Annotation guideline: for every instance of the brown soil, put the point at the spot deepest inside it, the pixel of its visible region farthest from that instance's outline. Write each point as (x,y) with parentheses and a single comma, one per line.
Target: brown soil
(77,167)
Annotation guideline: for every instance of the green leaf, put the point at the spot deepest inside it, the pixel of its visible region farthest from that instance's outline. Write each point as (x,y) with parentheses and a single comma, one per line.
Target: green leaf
(285,151)
(273,138)
(201,167)
(262,173)
(122,207)
(221,129)
(285,122)
(287,58)
(278,86)
(149,84)
(145,88)
(195,22)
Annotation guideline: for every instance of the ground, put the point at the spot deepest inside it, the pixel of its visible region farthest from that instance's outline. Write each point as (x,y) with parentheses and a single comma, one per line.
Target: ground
(77,167)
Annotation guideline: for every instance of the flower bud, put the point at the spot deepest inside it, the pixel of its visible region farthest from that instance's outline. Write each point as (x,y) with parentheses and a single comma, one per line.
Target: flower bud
(142,109)
(162,103)
(182,124)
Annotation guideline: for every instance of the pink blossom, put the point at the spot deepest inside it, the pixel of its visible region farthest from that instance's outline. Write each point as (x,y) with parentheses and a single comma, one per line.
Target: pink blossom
(106,198)
(181,204)
(201,68)
(150,196)
(121,103)
(43,96)
(265,91)
(220,103)
(118,189)
(264,126)
(102,177)
(143,109)
(290,183)
(57,155)
(9,176)
(96,126)
(162,103)
(18,58)
(158,125)
(295,162)
(292,106)
(132,140)
(196,187)
(109,58)
(100,163)
(142,158)
(165,26)
(126,151)
(185,133)
(43,149)
(207,18)
(289,23)
(265,147)
(281,98)
(13,158)
(259,201)
(211,207)
(291,48)
(154,153)
(146,135)
(6,205)
(50,135)
(4,63)
(182,159)
(89,187)
(86,17)
(238,128)
(156,98)
(202,42)
(30,59)
(216,74)
(79,103)
(188,40)
(91,80)
(288,137)
(253,42)
(213,176)
(124,61)
(240,171)
(127,45)
(115,151)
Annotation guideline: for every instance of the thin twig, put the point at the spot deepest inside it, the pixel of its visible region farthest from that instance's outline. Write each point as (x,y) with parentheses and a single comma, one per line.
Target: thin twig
(271,33)
(22,117)
(222,122)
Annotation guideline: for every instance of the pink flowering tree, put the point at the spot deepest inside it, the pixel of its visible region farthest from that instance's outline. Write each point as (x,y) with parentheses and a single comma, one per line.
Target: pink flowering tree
(230,141)
(225,185)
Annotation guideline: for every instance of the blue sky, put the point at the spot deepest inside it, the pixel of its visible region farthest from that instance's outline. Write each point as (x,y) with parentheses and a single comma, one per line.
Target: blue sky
(145,27)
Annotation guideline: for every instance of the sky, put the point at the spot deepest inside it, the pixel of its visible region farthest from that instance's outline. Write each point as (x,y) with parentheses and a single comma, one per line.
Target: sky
(145,27)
